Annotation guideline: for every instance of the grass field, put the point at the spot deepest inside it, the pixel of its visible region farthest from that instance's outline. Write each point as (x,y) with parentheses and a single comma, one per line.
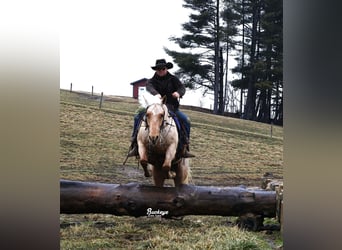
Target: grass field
(228,151)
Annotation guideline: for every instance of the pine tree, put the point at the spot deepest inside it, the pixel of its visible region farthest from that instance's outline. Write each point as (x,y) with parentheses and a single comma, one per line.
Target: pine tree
(202,60)
(210,34)
(196,62)
(261,69)
(231,21)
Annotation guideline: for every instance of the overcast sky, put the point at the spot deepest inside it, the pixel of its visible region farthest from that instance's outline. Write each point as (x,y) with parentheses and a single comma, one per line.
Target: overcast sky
(109,44)
(106,44)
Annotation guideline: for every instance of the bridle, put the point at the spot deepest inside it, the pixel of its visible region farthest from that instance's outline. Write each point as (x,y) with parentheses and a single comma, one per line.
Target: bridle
(165,116)
(165,128)
(166,122)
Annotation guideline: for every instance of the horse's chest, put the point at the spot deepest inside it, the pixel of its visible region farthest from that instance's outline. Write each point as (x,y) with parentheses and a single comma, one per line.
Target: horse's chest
(158,147)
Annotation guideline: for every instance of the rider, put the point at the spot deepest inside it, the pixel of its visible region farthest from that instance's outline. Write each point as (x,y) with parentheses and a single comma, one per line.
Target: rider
(163,83)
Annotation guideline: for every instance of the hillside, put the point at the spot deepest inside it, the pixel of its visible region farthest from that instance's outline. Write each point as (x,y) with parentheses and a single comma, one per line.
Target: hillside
(229,152)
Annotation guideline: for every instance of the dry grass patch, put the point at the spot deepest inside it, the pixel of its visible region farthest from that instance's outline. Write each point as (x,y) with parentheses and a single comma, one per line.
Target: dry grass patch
(229,152)
(193,232)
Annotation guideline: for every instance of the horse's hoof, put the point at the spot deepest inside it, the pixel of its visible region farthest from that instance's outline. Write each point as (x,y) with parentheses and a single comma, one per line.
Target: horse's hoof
(147,170)
(147,173)
(171,174)
(166,167)
(144,163)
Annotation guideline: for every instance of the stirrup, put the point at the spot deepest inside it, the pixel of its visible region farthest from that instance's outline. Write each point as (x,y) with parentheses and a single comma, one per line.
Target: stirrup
(132,152)
(187,154)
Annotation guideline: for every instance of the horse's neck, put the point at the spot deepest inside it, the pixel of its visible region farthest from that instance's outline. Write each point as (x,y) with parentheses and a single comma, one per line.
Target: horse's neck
(166,111)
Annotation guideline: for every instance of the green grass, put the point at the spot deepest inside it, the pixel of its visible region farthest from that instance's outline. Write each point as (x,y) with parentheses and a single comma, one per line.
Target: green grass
(228,152)
(192,232)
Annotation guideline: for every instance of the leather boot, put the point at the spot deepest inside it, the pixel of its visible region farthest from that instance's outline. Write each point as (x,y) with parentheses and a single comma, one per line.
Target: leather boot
(186,153)
(133,150)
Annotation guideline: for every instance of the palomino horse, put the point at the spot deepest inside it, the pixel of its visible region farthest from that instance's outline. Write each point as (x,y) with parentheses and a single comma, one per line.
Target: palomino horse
(157,146)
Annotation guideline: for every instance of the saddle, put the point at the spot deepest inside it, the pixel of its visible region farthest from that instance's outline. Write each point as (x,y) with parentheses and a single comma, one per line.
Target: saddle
(180,130)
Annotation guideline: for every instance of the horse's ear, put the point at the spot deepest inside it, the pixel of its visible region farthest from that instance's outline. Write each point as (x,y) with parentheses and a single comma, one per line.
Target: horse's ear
(164,99)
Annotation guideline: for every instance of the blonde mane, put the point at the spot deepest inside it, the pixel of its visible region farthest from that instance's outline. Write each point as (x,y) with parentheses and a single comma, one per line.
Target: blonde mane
(147,99)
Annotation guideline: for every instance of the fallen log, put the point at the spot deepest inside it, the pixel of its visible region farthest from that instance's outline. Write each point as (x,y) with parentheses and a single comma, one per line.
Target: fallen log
(134,199)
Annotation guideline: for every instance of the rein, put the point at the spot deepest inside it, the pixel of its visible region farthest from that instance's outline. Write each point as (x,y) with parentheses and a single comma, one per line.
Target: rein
(165,122)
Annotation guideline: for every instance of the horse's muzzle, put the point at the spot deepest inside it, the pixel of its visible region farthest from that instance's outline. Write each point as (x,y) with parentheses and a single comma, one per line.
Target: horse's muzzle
(153,139)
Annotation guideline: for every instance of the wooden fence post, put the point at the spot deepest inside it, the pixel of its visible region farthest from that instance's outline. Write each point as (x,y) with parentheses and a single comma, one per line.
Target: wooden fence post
(101,99)
(70,87)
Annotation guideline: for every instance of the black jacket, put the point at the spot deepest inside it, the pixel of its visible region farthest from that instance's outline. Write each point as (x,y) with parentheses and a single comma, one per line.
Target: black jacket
(165,86)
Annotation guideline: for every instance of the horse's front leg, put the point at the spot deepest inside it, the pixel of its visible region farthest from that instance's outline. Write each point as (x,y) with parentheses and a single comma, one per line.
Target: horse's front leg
(143,159)
(182,172)
(169,156)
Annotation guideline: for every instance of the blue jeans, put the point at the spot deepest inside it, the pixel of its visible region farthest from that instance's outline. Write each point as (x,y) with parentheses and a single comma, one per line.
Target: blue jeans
(186,122)
(137,119)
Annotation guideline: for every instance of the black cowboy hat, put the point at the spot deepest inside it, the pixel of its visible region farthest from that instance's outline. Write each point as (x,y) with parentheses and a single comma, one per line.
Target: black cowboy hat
(161,63)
